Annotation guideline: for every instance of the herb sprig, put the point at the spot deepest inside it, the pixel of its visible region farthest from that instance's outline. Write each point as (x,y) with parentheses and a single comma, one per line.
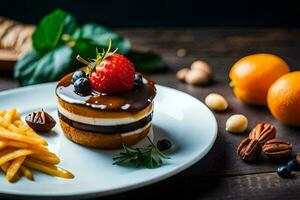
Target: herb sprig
(148,157)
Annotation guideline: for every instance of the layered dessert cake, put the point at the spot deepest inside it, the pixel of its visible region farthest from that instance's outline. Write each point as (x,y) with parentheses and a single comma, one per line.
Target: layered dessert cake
(106,104)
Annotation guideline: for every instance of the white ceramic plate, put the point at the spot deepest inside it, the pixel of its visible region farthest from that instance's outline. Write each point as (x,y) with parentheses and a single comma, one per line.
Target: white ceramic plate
(188,123)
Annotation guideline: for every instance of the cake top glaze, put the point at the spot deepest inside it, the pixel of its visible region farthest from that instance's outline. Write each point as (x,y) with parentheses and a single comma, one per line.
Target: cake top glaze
(134,100)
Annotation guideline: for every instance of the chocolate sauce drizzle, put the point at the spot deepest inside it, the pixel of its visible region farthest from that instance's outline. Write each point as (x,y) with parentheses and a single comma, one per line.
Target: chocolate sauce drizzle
(132,101)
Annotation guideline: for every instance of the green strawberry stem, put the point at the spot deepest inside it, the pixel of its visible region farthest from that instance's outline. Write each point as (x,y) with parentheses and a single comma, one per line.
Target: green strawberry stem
(82,60)
(99,57)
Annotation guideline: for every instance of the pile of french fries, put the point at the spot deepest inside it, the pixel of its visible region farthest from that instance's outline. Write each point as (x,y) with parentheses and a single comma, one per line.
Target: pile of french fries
(23,150)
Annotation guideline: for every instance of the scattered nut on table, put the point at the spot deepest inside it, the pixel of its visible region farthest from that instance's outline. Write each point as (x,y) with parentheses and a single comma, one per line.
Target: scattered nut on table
(200,73)
(263,132)
(196,77)
(202,66)
(236,123)
(249,150)
(277,149)
(216,102)
(182,73)
(181,52)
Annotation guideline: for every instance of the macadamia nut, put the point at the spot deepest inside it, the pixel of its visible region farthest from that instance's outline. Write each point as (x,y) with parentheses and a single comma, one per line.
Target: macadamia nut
(236,123)
(216,102)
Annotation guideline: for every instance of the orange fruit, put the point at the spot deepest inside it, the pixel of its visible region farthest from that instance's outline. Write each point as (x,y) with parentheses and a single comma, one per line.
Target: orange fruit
(284,99)
(252,76)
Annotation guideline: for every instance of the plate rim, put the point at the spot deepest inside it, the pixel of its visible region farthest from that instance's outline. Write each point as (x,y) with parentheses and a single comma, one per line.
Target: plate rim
(95,193)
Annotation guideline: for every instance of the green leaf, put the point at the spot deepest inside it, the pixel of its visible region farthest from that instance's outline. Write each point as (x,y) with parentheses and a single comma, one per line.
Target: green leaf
(100,36)
(36,67)
(49,31)
(86,48)
(147,62)
(70,24)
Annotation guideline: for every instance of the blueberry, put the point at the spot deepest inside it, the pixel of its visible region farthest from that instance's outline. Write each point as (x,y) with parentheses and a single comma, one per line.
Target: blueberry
(82,86)
(78,74)
(284,171)
(293,165)
(138,80)
(163,144)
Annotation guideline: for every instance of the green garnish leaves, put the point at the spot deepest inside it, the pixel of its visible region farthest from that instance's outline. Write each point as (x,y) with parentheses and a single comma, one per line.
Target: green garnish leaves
(148,157)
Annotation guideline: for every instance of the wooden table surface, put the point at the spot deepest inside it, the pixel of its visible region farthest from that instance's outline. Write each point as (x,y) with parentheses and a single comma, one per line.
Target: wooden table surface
(220,174)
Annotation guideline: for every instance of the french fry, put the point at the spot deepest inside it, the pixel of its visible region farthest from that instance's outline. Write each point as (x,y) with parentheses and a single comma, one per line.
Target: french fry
(14,167)
(5,167)
(3,123)
(16,129)
(16,144)
(8,117)
(14,154)
(19,124)
(40,149)
(16,177)
(2,145)
(26,172)
(2,113)
(16,116)
(46,158)
(6,151)
(40,163)
(22,138)
(44,167)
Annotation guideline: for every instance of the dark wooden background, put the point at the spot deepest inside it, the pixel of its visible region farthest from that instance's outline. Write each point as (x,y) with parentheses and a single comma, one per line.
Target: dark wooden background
(220,174)
(162,13)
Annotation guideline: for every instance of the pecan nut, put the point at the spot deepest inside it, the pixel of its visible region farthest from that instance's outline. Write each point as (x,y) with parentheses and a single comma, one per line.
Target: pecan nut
(40,121)
(277,149)
(263,132)
(249,150)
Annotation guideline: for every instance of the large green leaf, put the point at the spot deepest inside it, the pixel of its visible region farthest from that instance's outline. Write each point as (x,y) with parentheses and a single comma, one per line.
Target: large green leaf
(86,48)
(100,36)
(49,31)
(36,67)
(146,62)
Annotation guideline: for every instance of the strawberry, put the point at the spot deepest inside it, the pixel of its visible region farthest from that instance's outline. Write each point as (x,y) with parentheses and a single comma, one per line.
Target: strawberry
(114,74)
(110,72)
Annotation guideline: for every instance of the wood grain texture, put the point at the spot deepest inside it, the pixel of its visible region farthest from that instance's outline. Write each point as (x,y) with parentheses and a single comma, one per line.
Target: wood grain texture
(220,174)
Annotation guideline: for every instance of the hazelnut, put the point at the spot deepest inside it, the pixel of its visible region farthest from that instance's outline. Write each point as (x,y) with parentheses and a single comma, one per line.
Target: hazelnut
(40,121)
(216,102)
(236,123)
(182,73)
(202,66)
(197,77)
